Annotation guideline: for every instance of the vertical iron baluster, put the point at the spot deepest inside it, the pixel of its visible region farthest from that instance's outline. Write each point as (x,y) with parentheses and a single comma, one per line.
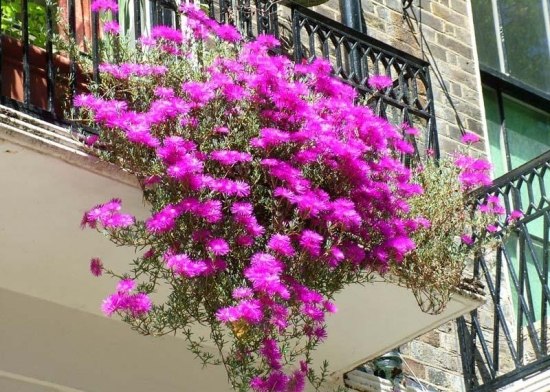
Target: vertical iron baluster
(26,68)
(154,13)
(72,63)
(496,304)
(296,31)
(520,309)
(137,20)
(545,298)
(245,17)
(95,46)
(210,8)
(433,140)
(223,11)
(50,72)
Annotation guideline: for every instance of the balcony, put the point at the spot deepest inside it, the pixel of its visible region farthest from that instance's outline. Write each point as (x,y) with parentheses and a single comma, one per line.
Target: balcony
(507,338)
(53,336)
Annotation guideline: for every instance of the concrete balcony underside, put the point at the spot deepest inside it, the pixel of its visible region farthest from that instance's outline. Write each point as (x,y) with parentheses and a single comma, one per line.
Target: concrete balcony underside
(52,335)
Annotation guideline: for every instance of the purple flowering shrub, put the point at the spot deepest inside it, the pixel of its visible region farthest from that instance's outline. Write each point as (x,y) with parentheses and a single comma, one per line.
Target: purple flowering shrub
(270,191)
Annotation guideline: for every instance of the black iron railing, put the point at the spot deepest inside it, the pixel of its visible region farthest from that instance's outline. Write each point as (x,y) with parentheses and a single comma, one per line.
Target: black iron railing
(508,338)
(355,57)
(252,17)
(36,80)
(39,81)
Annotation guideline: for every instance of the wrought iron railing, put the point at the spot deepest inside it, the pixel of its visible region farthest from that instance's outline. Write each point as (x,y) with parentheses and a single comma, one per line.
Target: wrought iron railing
(40,81)
(355,57)
(507,339)
(252,17)
(36,80)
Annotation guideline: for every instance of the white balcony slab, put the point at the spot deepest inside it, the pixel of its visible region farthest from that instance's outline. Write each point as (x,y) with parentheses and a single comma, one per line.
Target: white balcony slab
(52,335)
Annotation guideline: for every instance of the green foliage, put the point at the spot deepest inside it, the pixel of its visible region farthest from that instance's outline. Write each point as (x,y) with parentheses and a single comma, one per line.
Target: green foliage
(12,21)
(435,269)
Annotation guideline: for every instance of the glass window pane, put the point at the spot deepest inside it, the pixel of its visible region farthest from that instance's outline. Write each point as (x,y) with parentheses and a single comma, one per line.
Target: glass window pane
(486,38)
(526,41)
(528,131)
(496,144)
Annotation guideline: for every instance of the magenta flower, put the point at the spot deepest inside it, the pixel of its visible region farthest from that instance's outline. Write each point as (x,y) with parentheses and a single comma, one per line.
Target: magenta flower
(91,140)
(227,33)
(104,5)
(380,82)
(96,266)
(270,351)
(107,215)
(125,286)
(164,220)
(311,242)
(470,138)
(218,246)
(227,157)
(492,228)
(264,274)
(242,292)
(281,244)
(111,27)
(515,216)
(467,239)
(182,265)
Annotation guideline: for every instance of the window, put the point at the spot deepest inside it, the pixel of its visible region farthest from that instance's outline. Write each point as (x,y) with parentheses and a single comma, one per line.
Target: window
(513,37)
(517,132)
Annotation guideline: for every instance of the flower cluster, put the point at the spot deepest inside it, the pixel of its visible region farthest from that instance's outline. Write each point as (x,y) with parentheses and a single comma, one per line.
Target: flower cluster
(270,189)
(135,304)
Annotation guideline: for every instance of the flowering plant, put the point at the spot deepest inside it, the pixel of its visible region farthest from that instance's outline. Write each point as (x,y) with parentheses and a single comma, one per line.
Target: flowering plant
(270,191)
(455,225)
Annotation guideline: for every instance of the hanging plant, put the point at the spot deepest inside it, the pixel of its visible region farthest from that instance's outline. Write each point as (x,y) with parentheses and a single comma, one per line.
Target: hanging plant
(270,191)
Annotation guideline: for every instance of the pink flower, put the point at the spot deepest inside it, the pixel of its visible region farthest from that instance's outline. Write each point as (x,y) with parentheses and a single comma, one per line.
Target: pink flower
(264,274)
(249,310)
(182,265)
(111,27)
(515,216)
(330,307)
(125,286)
(91,140)
(311,242)
(96,266)
(242,292)
(104,5)
(218,246)
(221,130)
(467,239)
(107,215)
(135,304)
(380,82)
(492,228)
(241,208)
(140,304)
(281,244)
(227,33)
(167,33)
(164,220)
(227,157)
(270,351)
(470,138)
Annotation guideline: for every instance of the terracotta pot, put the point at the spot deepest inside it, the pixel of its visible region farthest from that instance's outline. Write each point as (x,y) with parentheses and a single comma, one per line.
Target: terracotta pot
(12,75)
